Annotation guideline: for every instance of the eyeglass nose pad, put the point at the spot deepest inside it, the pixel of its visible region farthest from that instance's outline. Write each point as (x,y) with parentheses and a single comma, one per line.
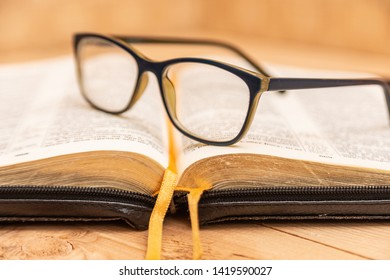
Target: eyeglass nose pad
(143,82)
(170,95)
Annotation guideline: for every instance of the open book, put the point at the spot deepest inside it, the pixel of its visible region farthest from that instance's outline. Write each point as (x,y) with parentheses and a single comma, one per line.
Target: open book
(321,153)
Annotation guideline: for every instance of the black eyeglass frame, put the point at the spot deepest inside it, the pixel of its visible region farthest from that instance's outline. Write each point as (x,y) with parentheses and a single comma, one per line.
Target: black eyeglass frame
(257,82)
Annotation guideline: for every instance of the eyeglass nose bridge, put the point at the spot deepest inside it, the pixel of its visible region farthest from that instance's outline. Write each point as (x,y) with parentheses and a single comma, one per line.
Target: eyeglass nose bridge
(170,95)
(139,88)
(168,89)
(145,66)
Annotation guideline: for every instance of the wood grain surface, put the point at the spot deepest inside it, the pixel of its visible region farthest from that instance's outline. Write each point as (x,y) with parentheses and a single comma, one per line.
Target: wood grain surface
(270,240)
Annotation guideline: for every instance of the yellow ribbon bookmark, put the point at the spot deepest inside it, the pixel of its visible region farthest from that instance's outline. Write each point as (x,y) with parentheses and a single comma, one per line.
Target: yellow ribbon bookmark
(168,186)
(164,198)
(163,202)
(193,197)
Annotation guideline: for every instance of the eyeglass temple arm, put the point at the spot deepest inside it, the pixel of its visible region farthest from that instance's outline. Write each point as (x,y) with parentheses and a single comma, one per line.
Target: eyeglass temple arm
(281,84)
(157,40)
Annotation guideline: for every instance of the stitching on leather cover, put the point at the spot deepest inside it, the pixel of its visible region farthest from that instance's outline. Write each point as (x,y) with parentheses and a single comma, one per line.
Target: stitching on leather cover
(93,204)
(299,203)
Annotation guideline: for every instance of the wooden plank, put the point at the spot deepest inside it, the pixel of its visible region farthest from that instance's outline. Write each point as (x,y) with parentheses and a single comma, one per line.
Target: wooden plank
(249,241)
(366,239)
(118,241)
(71,241)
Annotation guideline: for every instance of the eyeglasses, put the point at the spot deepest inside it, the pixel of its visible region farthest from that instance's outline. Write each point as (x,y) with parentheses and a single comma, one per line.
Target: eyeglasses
(207,100)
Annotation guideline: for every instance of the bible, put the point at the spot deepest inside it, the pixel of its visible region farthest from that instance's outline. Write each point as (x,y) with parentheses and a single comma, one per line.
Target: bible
(312,154)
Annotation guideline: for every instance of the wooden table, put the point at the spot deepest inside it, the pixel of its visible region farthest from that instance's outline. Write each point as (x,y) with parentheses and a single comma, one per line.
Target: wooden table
(239,240)
(254,240)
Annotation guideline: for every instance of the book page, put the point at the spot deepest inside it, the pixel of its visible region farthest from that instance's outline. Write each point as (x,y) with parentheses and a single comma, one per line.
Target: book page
(341,126)
(43,114)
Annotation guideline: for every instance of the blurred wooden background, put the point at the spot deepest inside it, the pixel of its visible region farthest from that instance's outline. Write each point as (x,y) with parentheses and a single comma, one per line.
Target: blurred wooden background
(362,25)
